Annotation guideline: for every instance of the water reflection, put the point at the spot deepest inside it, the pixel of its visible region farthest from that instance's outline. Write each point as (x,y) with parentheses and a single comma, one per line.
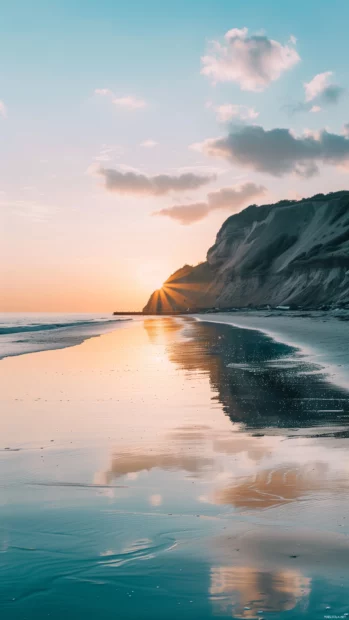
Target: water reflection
(273,487)
(162,330)
(231,467)
(127,463)
(267,569)
(245,592)
(239,443)
(259,382)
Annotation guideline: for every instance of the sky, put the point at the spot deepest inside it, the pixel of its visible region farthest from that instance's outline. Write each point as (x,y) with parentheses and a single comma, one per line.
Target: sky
(132,130)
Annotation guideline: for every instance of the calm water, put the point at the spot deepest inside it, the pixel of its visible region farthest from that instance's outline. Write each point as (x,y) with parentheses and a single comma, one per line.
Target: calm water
(172,469)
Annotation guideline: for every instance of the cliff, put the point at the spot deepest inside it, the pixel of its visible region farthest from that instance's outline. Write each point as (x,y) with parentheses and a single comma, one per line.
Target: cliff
(288,253)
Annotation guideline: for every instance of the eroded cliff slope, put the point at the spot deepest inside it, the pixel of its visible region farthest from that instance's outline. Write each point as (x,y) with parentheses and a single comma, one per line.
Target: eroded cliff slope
(289,253)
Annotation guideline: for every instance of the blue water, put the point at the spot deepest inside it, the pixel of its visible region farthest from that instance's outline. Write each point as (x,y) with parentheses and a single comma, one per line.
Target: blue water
(172,469)
(28,332)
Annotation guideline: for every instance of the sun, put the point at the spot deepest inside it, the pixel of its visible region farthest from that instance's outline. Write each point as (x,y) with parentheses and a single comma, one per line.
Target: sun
(152,276)
(154,282)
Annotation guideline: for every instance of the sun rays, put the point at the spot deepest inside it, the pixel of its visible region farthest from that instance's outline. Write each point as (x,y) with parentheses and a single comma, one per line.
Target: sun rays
(166,300)
(175,297)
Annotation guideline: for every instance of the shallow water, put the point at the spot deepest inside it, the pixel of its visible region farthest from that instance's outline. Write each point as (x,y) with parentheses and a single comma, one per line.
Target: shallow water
(173,468)
(24,332)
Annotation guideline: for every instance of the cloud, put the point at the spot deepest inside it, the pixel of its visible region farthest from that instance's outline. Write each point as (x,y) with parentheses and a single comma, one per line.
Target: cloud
(231,198)
(332,94)
(132,103)
(129,102)
(103,92)
(132,182)
(319,92)
(320,87)
(3,109)
(251,61)
(149,144)
(227,111)
(279,151)
(186,214)
(317,85)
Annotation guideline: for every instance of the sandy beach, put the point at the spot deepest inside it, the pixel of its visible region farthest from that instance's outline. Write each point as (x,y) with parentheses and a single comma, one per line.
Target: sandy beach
(173,466)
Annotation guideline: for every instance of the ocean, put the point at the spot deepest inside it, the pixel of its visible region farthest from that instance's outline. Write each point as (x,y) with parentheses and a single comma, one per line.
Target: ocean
(29,332)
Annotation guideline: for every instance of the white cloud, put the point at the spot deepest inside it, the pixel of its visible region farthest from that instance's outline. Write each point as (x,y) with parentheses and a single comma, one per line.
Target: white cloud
(321,89)
(227,111)
(149,144)
(319,92)
(317,85)
(3,109)
(103,92)
(129,102)
(251,61)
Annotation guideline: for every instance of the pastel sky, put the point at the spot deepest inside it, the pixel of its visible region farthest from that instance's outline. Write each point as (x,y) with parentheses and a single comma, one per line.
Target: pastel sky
(132,130)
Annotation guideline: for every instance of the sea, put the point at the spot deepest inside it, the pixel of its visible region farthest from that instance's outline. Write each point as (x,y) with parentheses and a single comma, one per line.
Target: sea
(29,332)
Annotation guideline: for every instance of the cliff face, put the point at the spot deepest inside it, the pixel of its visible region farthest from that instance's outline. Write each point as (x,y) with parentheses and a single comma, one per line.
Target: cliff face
(290,253)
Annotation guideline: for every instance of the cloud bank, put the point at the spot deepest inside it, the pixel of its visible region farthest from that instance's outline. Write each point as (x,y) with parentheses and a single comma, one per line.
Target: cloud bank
(279,151)
(131,182)
(232,198)
(251,61)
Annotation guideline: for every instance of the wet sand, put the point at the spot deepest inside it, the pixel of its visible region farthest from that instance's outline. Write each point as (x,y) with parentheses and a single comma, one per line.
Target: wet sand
(173,468)
(320,337)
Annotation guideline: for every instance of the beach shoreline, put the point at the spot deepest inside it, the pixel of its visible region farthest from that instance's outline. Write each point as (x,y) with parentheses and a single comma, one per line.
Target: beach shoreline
(321,338)
(24,333)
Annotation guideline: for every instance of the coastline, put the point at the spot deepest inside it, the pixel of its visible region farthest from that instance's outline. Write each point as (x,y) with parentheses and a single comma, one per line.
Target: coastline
(320,338)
